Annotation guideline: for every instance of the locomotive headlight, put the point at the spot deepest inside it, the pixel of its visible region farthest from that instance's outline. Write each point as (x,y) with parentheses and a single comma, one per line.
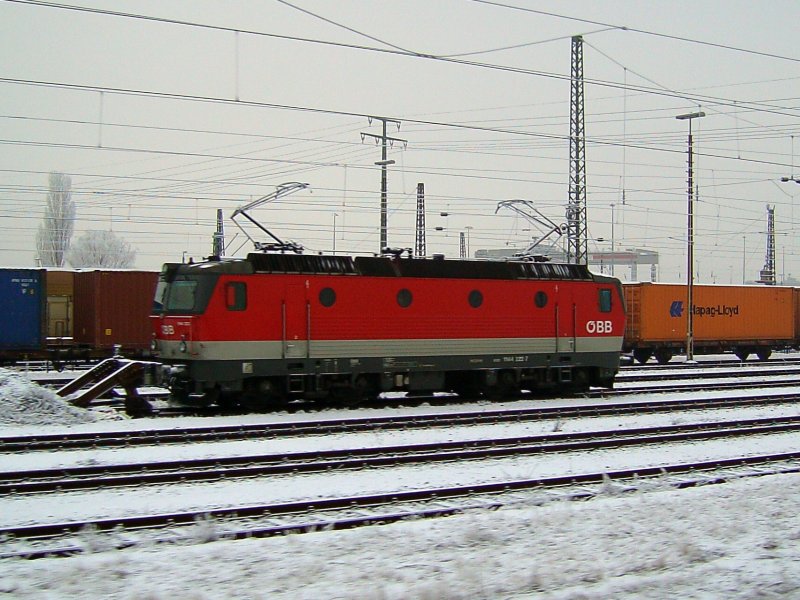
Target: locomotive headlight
(182,346)
(153,345)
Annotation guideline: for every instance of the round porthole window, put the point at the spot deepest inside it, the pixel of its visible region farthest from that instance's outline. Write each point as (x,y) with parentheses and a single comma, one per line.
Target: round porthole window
(327,297)
(475,298)
(540,299)
(404,298)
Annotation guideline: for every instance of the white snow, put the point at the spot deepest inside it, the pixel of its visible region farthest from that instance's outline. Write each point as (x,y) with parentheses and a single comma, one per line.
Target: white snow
(25,403)
(737,540)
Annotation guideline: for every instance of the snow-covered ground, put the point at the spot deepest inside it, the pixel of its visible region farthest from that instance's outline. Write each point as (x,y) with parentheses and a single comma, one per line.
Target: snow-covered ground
(738,540)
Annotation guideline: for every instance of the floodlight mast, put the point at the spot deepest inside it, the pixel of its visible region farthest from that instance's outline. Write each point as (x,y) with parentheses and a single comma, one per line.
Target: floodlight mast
(279,245)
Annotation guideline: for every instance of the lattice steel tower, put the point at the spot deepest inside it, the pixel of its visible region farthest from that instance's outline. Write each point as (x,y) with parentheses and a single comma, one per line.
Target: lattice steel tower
(576,208)
(218,245)
(419,247)
(768,272)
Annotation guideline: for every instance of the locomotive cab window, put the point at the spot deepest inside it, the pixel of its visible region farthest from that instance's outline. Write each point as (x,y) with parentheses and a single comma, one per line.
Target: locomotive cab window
(182,293)
(604,298)
(236,295)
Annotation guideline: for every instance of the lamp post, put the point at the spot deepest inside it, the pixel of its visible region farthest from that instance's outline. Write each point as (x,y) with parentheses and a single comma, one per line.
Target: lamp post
(334,232)
(690,240)
(744,255)
(612,239)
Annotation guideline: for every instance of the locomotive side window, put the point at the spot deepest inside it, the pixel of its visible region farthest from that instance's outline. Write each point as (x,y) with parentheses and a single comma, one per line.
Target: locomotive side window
(475,298)
(540,299)
(604,298)
(327,297)
(404,298)
(236,295)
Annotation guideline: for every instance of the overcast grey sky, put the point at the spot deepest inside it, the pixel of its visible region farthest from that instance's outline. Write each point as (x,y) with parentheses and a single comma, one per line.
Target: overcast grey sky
(167,110)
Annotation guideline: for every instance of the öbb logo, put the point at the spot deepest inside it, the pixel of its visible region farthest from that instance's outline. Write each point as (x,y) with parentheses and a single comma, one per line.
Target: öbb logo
(599,327)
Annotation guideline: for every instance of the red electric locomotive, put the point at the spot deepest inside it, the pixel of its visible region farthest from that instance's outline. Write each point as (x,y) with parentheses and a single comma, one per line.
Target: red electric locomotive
(272,327)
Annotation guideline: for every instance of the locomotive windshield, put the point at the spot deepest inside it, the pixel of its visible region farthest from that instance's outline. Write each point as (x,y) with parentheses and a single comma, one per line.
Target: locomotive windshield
(183,293)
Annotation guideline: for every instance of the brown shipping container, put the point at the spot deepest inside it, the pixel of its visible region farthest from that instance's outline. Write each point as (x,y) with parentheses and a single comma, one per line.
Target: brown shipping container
(113,307)
(60,291)
(60,283)
(656,312)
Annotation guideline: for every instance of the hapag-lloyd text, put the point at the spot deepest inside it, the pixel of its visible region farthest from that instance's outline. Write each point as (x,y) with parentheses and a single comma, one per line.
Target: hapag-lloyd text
(720,310)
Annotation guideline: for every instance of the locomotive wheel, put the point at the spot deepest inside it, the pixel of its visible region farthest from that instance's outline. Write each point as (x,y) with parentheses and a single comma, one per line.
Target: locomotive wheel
(227,401)
(663,356)
(179,393)
(764,353)
(211,396)
(263,394)
(465,384)
(363,389)
(505,388)
(580,381)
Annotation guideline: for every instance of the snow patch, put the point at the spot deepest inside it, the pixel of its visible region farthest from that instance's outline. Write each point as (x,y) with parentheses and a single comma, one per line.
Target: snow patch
(23,402)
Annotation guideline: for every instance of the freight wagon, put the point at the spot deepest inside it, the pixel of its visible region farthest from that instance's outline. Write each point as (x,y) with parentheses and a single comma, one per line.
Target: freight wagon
(743,319)
(65,315)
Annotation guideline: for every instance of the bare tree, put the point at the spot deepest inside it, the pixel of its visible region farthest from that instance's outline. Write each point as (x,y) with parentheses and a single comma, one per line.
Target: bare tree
(101,249)
(55,232)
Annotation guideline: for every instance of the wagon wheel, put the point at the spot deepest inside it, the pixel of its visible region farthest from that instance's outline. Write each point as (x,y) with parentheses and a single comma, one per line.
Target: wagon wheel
(663,356)
(764,353)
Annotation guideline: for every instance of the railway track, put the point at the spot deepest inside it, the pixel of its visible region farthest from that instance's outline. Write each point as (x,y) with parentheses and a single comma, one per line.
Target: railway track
(182,435)
(718,372)
(212,469)
(626,377)
(447,399)
(64,539)
(728,361)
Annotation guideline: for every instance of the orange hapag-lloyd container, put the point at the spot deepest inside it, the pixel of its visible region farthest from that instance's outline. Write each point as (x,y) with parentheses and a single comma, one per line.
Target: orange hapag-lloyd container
(743,318)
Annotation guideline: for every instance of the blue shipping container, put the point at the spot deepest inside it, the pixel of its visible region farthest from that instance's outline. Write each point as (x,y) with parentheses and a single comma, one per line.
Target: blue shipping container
(23,309)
